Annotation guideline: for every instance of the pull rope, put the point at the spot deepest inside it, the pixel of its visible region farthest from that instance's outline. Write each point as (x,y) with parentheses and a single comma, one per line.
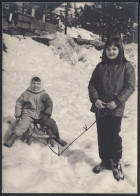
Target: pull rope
(86,129)
(59,153)
(46,145)
(58,149)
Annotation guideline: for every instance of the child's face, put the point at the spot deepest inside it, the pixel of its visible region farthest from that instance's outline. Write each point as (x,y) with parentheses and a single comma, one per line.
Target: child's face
(35,85)
(112,52)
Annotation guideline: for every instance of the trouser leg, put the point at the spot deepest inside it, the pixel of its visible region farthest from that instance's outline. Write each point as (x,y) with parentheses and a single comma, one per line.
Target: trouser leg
(23,125)
(51,124)
(21,128)
(10,140)
(116,140)
(109,141)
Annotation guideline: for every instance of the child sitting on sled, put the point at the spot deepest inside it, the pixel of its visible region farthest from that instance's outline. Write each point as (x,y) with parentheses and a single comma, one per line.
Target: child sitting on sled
(34,106)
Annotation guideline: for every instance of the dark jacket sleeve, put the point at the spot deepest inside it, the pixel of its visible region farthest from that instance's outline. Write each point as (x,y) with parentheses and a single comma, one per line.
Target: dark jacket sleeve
(48,105)
(129,84)
(19,106)
(93,94)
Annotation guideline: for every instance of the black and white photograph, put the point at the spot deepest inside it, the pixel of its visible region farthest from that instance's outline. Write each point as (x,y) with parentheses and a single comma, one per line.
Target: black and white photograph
(70,97)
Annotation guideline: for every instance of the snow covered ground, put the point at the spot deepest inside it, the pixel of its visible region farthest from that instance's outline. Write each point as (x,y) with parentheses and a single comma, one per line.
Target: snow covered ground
(65,69)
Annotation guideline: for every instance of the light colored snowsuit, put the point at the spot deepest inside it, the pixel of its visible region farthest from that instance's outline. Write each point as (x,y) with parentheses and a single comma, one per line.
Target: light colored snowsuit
(31,107)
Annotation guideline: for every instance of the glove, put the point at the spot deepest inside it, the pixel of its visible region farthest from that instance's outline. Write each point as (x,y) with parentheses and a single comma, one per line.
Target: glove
(99,104)
(44,119)
(111,105)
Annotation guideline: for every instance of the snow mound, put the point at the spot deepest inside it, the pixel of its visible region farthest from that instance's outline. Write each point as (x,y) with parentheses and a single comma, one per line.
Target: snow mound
(69,51)
(83,33)
(131,53)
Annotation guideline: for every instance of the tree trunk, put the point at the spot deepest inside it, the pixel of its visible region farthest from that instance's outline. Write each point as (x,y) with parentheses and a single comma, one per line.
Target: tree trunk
(66,18)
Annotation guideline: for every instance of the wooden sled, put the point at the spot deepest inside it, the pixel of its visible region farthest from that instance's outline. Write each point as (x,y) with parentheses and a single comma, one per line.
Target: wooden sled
(35,132)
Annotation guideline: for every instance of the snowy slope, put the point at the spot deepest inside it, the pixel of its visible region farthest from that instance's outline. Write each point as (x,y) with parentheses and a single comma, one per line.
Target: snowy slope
(65,69)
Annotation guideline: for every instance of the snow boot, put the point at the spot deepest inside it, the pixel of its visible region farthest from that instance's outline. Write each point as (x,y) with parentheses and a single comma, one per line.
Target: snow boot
(117,170)
(61,142)
(105,164)
(51,142)
(29,139)
(10,140)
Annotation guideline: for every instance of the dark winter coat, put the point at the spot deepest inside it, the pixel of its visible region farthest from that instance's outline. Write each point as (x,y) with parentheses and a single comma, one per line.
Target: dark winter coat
(112,82)
(34,104)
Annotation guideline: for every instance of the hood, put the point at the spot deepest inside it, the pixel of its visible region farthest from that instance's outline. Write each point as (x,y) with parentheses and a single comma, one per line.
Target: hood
(29,88)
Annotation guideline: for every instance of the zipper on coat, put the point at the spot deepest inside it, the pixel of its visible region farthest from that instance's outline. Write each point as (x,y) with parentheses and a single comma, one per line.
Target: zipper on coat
(36,106)
(110,69)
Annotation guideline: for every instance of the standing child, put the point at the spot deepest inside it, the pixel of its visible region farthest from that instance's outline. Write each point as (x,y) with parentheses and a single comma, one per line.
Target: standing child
(111,84)
(34,106)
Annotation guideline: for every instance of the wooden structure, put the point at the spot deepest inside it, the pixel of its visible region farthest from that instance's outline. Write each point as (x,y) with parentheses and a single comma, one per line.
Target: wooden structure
(34,132)
(21,18)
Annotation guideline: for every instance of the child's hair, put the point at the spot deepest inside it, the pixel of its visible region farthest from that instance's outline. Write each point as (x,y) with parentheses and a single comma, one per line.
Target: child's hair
(118,43)
(36,79)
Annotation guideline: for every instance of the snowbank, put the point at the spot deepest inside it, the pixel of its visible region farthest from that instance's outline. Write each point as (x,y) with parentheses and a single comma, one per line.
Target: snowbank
(74,33)
(69,51)
(83,33)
